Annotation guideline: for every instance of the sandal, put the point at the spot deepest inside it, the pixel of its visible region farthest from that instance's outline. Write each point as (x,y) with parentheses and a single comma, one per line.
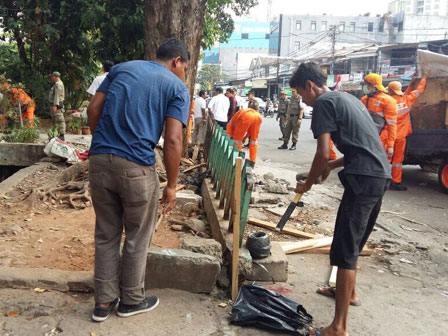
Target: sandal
(331,293)
(316,332)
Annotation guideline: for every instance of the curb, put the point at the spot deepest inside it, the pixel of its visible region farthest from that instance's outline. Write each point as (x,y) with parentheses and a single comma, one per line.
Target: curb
(63,281)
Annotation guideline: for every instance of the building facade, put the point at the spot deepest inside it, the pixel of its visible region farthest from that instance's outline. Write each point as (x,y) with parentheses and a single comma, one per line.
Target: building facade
(419,7)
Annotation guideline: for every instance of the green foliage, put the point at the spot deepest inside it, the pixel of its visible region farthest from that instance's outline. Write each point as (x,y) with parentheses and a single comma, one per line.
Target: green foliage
(53,132)
(74,124)
(209,74)
(22,135)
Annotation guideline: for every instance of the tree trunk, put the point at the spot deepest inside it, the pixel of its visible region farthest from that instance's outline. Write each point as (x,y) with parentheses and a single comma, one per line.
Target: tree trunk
(179,19)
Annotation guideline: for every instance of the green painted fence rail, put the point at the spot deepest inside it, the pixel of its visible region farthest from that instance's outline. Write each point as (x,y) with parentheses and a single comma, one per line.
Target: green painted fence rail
(220,153)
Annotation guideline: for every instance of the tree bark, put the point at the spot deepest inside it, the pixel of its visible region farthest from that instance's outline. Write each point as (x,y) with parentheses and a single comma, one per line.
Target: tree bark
(179,19)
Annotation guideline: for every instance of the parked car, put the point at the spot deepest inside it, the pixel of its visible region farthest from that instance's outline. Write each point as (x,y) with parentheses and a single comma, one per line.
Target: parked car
(307,110)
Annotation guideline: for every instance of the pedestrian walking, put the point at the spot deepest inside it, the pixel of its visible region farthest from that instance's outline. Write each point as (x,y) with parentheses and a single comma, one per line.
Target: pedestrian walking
(343,118)
(293,121)
(127,115)
(107,65)
(404,126)
(281,113)
(246,124)
(382,109)
(219,107)
(200,118)
(56,98)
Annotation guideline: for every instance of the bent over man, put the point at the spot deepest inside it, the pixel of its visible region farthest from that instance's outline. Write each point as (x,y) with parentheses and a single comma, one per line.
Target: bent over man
(246,123)
(27,106)
(383,110)
(342,117)
(127,115)
(404,127)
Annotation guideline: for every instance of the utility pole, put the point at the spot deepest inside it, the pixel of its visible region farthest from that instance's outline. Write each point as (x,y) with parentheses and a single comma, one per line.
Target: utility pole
(333,47)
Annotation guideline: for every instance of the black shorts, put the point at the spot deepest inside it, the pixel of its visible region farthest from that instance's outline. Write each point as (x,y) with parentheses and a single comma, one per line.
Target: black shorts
(356,217)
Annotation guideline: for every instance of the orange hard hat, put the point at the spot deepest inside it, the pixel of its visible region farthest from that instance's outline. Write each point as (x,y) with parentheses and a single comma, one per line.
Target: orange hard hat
(376,80)
(395,88)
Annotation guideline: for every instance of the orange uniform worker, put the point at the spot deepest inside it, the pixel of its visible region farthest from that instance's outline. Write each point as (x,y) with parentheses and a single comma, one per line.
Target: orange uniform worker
(246,123)
(190,121)
(383,110)
(26,103)
(404,127)
(333,155)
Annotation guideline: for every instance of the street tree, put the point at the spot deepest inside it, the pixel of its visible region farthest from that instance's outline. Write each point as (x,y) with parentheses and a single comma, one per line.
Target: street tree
(208,75)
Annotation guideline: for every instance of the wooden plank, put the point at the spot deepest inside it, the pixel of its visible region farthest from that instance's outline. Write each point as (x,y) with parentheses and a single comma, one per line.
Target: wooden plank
(291,232)
(333,276)
(326,250)
(236,228)
(161,218)
(187,161)
(178,188)
(194,167)
(306,244)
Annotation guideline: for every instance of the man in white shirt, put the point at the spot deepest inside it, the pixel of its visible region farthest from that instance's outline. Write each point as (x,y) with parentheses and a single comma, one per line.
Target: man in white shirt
(107,65)
(200,118)
(219,106)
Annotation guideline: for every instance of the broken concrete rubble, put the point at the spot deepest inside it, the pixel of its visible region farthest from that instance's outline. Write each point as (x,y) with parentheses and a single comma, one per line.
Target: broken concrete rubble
(201,245)
(184,197)
(275,187)
(196,225)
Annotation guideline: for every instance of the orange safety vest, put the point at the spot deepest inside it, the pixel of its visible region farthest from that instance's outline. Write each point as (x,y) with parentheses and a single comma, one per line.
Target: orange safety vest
(404,103)
(383,110)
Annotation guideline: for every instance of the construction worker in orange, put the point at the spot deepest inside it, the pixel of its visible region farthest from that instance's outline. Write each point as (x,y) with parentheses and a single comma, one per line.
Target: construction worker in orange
(26,103)
(333,155)
(404,127)
(246,123)
(382,109)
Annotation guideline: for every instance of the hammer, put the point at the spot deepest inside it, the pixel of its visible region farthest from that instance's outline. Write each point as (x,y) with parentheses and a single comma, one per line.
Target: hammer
(295,203)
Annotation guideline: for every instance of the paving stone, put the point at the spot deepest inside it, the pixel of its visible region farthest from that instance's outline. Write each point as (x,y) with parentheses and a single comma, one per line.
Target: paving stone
(276,264)
(182,198)
(181,269)
(196,225)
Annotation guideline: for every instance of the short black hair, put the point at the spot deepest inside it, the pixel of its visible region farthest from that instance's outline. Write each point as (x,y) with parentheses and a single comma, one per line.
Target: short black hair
(251,92)
(201,93)
(230,90)
(308,72)
(107,65)
(218,89)
(172,48)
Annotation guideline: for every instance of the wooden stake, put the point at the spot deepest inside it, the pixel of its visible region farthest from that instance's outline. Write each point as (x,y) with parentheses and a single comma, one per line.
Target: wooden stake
(236,227)
(195,153)
(306,245)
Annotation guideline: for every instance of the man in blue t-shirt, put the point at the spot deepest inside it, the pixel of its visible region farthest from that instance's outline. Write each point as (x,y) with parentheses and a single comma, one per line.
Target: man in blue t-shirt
(126,116)
(341,117)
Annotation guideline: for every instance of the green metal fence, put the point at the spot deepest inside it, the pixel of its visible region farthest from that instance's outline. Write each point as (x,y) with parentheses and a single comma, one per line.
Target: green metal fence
(220,153)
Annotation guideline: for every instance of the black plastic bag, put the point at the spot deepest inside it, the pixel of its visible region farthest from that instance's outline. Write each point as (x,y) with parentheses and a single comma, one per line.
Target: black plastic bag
(259,307)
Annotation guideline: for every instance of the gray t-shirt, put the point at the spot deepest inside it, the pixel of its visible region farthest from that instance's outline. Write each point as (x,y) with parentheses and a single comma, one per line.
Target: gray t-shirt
(353,132)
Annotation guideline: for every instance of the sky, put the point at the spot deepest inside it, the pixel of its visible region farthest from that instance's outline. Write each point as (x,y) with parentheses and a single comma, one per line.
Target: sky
(317,7)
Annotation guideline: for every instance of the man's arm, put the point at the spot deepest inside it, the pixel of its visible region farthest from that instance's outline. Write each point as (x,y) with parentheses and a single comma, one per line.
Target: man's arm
(320,166)
(172,152)
(390,116)
(94,109)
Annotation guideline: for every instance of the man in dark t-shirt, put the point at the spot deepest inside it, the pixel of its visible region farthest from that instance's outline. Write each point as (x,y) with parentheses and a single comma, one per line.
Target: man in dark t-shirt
(340,117)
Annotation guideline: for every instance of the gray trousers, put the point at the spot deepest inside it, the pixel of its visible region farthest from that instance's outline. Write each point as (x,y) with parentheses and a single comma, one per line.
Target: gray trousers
(125,197)
(198,136)
(292,128)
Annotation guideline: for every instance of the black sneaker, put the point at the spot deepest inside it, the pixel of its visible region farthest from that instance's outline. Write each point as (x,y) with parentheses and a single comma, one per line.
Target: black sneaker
(397,187)
(100,314)
(148,304)
(284,146)
(293,147)
(62,137)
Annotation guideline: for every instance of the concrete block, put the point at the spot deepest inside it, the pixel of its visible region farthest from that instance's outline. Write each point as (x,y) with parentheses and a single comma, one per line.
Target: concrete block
(181,269)
(19,176)
(183,198)
(20,154)
(201,245)
(276,264)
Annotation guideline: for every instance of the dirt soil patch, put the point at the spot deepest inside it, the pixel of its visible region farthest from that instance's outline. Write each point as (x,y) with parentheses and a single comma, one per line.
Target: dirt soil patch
(52,235)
